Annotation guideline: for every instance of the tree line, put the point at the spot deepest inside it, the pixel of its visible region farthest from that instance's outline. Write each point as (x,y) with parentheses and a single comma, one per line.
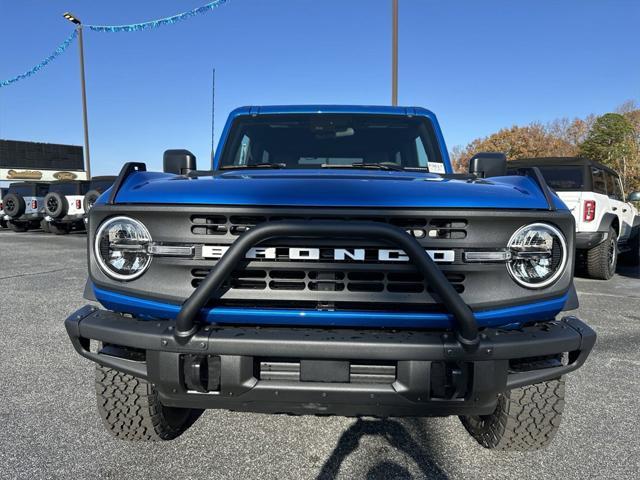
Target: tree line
(612,139)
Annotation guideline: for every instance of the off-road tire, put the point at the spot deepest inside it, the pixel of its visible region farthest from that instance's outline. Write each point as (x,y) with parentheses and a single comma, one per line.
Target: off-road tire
(600,264)
(55,204)
(18,226)
(130,408)
(14,205)
(89,199)
(525,418)
(59,228)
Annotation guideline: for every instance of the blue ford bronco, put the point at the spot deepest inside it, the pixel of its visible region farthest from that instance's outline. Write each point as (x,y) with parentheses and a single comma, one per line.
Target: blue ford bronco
(331,263)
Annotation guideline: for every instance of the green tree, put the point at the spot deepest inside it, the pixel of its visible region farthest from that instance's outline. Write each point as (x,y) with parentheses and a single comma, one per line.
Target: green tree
(612,140)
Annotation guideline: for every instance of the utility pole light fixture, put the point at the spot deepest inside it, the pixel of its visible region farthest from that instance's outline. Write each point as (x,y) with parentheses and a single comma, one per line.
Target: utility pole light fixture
(69,16)
(76,21)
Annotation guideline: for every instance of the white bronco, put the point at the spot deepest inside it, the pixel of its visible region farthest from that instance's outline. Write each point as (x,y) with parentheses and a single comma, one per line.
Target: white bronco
(64,206)
(607,222)
(23,205)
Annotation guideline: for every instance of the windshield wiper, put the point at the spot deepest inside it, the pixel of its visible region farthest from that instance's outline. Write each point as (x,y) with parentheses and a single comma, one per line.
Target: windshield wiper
(381,165)
(257,165)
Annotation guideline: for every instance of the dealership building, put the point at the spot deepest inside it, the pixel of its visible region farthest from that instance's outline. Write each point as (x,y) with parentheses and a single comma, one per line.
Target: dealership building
(33,161)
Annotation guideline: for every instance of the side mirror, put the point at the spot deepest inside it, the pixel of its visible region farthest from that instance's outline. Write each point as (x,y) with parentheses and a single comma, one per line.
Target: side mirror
(179,162)
(634,197)
(488,164)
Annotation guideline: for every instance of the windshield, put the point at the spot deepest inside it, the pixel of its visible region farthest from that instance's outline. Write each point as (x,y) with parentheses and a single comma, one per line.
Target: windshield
(332,141)
(564,177)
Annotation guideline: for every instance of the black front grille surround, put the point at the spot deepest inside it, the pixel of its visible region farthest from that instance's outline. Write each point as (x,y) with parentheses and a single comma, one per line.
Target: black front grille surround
(481,285)
(419,227)
(341,279)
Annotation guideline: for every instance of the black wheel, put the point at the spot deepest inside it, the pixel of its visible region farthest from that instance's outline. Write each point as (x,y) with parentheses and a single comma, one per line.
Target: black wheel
(55,205)
(525,418)
(14,205)
(130,408)
(44,226)
(89,199)
(18,226)
(632,257)
(603,259)
(59,228)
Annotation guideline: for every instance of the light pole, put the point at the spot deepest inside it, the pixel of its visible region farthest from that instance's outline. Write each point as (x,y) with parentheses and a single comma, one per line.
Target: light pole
(394,53)
(76,21)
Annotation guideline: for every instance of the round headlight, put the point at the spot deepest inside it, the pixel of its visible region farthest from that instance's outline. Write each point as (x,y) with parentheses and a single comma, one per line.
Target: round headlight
(121,248)
(538,255)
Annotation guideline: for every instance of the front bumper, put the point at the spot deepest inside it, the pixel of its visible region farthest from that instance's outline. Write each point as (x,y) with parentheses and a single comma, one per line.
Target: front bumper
(315,371)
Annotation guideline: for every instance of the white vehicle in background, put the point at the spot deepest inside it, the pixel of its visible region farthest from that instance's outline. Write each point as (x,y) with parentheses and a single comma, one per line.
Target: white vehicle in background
(68,202)
(607,222)
(64,206)
(3,222)
(23,205)
(97,186)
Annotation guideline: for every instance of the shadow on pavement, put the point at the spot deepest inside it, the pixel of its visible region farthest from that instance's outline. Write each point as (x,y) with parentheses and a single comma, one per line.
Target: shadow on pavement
(420,450)
(629,272)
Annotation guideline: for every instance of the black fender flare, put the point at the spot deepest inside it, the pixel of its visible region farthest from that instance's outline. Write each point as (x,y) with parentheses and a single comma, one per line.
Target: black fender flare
(607,220)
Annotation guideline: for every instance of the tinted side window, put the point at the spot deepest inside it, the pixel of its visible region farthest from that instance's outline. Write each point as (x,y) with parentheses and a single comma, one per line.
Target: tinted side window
(66,188)
(599,183)
(563,177)
(618,189)
(613,187)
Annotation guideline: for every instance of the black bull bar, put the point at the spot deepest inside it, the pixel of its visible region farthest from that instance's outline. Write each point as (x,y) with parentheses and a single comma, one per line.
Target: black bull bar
(466,328)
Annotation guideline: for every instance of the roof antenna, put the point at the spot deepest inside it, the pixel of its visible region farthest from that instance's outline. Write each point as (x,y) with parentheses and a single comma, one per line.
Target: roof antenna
(213,111)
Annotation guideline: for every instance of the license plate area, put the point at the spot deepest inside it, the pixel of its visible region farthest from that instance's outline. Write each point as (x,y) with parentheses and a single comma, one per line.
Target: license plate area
(326,371)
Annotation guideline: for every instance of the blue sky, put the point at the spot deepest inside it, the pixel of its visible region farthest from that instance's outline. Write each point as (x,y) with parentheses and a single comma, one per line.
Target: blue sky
(479,65)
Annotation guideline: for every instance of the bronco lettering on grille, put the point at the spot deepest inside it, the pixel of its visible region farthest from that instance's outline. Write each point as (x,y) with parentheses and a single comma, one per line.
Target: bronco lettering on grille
(216,252)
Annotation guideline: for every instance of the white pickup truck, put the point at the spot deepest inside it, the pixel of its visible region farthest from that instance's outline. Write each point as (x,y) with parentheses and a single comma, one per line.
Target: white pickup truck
(607,222)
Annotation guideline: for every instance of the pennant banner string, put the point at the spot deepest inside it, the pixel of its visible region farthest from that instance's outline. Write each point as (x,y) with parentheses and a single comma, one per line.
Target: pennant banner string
(114,28)
(158,23)
(57,52)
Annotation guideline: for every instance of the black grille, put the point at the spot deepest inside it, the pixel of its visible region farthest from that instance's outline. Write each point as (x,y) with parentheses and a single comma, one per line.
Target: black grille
(329,281)
(420,227)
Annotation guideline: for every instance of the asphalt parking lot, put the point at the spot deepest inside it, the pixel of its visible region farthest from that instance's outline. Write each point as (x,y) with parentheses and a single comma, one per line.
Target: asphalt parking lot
(50,427)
